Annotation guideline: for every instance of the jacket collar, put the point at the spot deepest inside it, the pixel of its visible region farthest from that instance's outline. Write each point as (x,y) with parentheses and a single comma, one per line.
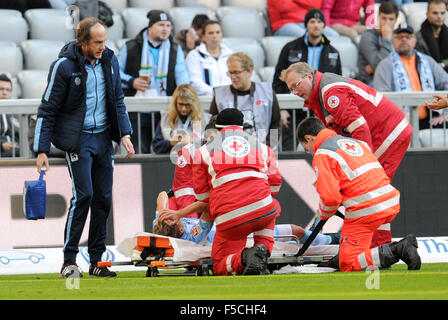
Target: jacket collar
(322,136)
(314,101)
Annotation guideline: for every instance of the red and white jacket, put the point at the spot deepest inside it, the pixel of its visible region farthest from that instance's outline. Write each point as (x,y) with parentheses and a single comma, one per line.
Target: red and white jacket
(237,175)
(349,175)
(352,108)
(184,194)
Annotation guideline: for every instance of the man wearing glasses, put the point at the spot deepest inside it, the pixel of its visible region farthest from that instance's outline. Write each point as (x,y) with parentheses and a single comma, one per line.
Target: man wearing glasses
(256,100)
(353,109)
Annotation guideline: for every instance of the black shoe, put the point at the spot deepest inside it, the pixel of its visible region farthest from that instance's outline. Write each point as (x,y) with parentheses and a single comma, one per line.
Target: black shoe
(103,272)
(406,250)
(255,260)
(70,270)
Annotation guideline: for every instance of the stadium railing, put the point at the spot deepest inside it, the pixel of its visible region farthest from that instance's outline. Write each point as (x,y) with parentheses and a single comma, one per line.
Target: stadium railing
(24,108)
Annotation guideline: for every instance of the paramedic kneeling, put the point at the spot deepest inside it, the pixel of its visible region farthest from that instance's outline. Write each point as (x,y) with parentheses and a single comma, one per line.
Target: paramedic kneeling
(348,174)
(237,175)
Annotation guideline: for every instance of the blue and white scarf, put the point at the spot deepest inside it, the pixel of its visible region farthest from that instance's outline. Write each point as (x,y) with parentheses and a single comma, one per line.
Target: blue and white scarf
(159,80)
(401,78)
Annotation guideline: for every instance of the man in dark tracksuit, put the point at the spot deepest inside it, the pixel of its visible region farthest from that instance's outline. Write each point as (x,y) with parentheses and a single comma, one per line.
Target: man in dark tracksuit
(313,48)
(81,112)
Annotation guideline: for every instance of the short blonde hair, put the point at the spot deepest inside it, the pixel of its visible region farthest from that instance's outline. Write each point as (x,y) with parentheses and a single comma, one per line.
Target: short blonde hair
(187,92)
(301,68)
(246,62)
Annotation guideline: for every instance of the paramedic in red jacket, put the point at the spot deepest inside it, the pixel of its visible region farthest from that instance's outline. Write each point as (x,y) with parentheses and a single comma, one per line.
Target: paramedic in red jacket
(352,108)
(183,192)
(237,176)
(349,175)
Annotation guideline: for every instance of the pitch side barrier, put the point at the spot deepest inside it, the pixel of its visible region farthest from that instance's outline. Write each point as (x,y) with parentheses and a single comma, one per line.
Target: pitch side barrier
(24,109)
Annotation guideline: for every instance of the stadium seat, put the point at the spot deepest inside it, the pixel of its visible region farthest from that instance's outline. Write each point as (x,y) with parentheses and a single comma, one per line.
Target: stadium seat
(11,59)
(415,14)
(267,73)
(436,139)
(111,45)
(10,13)
(16,89)
(348,53)
(116,31)
(249,46)
(257,4)
(50,24)
(272,47)
(117,5)
(211,4)
(255,77)
(236,20)
(39,54)
(121,42)
(13,26)
(154,4)
(33,83)
(182,16)
(134,21)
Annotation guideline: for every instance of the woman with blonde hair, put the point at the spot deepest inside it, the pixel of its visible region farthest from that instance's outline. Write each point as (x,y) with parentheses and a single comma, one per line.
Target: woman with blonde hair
(183,121)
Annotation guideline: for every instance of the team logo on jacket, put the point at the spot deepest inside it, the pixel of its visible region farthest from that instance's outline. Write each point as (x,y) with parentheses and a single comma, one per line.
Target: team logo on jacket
(351,147)
(77,81)
(333,102)
(181,162)
(236,146)
(197,230)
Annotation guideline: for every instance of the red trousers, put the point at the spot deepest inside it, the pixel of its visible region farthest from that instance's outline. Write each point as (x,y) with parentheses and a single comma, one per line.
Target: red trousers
(355,252)
(390,160)
(228,244)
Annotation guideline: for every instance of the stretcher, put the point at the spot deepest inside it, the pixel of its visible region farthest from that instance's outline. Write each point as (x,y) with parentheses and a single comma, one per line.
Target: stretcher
(186,258)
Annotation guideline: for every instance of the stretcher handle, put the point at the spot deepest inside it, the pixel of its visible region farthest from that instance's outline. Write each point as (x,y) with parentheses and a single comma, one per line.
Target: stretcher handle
(313,234)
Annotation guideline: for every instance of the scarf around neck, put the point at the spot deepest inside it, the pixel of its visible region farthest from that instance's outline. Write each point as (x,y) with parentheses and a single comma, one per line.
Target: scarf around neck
(159,80)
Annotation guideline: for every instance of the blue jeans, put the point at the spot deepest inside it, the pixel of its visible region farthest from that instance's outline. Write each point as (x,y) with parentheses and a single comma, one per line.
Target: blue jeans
(298,30)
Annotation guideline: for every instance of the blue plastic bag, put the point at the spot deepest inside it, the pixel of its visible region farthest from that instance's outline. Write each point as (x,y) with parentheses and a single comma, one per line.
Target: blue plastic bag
(35,198)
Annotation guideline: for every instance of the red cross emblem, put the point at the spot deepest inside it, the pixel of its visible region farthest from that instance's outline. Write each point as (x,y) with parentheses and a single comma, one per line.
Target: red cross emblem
(236,146)
(350,147)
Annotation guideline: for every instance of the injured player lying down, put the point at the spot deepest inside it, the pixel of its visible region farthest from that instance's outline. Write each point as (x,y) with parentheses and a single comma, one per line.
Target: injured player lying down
(202,230)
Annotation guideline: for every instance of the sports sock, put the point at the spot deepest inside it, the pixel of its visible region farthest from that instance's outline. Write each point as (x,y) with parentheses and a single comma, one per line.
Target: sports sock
(321,239)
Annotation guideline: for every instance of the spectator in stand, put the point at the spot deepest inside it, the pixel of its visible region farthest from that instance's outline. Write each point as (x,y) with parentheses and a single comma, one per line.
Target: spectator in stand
(287,17)
(256,100)
(9,126)
(313,48)
(183,121)
(151,64)
(207,64)
(408,70)
(344,16)
(189,39)
(432,38)
(376,44)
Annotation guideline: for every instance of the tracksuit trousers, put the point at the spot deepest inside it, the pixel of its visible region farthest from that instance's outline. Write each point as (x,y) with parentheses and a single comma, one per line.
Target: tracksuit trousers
(92,176)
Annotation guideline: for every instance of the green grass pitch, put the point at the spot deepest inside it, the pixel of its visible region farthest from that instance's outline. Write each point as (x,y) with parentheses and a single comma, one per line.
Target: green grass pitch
(431,282)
